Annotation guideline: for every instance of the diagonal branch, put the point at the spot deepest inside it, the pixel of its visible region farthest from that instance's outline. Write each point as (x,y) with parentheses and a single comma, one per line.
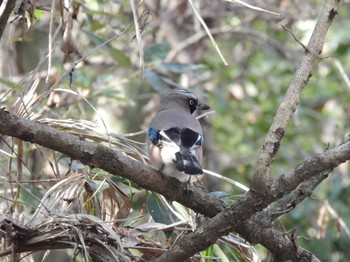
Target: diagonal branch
(246,212)
(292,98)
(6,8)
(113,161)
(259,228)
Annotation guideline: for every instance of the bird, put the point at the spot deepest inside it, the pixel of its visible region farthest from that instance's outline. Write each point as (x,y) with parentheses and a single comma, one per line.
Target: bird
(175,135)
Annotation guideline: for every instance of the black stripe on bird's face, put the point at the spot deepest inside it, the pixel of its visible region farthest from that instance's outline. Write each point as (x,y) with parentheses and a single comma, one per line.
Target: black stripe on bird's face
(194,105)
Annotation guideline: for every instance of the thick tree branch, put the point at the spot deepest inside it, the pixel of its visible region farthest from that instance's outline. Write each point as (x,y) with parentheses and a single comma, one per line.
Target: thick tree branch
(114,161)
(260,229)
(292,98)
(118,163)
(290,201)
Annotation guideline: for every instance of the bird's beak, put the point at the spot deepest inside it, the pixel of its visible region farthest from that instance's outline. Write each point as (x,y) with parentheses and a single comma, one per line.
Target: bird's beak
(201,106)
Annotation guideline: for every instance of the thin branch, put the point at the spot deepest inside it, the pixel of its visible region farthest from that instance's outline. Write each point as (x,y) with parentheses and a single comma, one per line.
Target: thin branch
(138,34)
(294,36)
(309,168)
(342,72)
(49,55)
(231,181)
(245,32)
(253,7)
(303,191)
(208,32)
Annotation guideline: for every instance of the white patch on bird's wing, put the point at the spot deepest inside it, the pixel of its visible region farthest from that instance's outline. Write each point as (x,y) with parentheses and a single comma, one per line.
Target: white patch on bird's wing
(168,150)
(196,145)
(168,153)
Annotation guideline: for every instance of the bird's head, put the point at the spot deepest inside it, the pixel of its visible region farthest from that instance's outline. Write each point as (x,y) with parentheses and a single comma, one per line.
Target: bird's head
(182,98)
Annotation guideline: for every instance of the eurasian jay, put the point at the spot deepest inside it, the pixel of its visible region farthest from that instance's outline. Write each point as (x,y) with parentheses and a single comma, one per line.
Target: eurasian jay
(175,135)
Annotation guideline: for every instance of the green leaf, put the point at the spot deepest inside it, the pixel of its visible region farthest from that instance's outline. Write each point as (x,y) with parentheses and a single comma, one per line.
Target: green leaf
(156,81)
(95,25)
(182,210)
(97,185)
(342,49)
(218,252)
(119,56)
(116,54)
(156,52)
(157,210)
(182,68)
(11,84)
(26,196)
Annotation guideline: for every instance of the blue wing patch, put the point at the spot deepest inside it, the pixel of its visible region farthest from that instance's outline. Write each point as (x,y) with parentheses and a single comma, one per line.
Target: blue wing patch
(153,135)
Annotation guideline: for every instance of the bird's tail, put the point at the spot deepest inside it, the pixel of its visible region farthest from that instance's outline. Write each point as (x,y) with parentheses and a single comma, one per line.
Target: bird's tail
(188,164)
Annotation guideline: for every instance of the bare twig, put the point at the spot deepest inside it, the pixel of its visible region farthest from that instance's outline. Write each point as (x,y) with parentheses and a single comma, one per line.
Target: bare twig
(295,38)
(246,32)
(49,55)
(342,72)
(208,32)
(253,7)
(138,33)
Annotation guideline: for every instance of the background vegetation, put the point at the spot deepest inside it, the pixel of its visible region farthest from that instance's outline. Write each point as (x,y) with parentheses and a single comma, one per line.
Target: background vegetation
(80,67)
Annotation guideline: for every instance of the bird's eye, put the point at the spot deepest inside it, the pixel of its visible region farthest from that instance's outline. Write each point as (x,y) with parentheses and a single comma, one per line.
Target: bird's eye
(191,102)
